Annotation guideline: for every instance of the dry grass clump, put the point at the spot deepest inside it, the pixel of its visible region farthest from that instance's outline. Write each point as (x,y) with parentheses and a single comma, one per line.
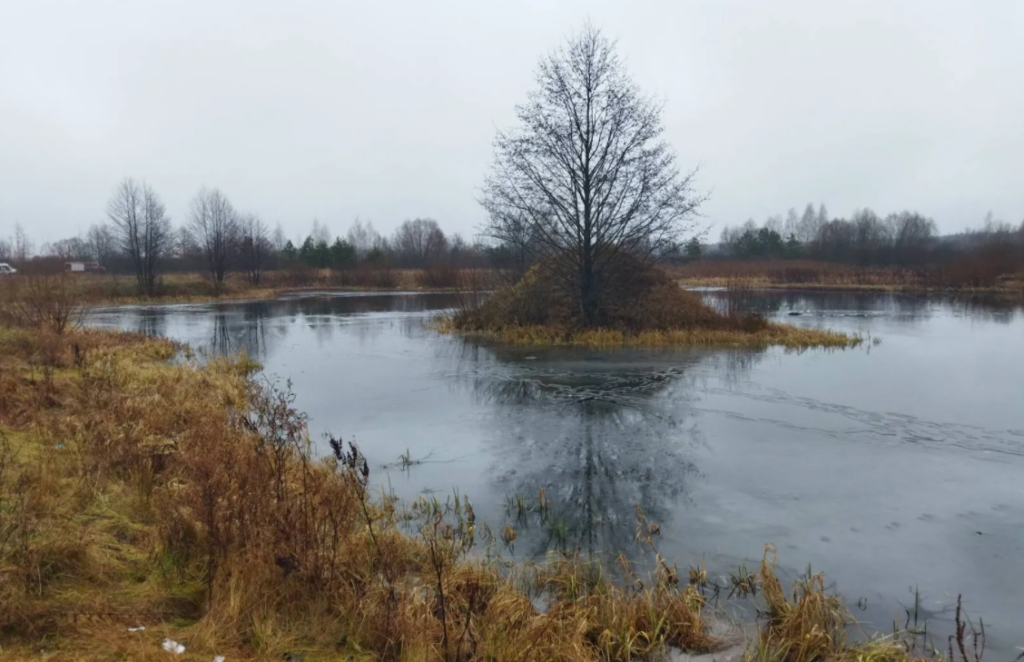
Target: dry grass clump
(51,302)
(626,619)
(811,625)
(186,498)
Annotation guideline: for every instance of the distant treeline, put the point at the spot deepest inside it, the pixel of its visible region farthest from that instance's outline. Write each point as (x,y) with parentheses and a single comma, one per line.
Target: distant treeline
(901,239)
(416,243)
(140,239)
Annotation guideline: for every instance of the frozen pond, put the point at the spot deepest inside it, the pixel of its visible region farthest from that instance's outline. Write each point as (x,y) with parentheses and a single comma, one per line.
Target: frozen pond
(894,465)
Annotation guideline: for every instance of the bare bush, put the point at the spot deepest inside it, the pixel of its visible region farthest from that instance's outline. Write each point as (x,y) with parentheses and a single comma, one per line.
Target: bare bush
(45,301)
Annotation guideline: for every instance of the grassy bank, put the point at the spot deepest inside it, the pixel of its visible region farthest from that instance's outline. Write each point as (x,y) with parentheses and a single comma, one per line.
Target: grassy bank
(783,335)
(110,289)
(971,278)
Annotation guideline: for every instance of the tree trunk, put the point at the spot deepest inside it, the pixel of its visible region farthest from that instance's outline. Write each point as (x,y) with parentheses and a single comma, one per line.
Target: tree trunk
(588,291)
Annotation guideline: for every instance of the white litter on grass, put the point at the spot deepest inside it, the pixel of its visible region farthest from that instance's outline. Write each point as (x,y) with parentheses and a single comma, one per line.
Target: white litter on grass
(138,629)
(218,658)
(171,646)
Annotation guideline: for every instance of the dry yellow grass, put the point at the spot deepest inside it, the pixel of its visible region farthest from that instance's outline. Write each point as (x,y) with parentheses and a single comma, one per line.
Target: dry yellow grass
(109,289)
(1011,287)
(812,625)
(827,276)
(783,335)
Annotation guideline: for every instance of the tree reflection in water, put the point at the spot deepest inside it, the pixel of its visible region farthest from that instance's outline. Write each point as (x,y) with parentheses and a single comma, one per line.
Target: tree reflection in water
(253,328)
(600,433)
(152,322)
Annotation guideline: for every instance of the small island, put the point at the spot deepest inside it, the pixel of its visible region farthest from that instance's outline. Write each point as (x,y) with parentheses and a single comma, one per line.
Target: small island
(586,197)
(641,306)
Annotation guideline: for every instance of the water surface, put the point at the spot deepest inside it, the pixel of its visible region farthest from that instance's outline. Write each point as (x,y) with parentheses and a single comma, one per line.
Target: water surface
(894,465)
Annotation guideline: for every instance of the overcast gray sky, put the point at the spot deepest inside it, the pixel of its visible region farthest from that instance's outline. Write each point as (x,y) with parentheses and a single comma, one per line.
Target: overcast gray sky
(334,109)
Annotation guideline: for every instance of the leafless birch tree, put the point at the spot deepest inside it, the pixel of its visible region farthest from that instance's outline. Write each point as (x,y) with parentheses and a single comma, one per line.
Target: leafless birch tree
(588,171)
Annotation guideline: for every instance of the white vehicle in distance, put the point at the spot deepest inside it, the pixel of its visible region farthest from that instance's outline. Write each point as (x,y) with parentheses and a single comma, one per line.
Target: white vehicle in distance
(7,270)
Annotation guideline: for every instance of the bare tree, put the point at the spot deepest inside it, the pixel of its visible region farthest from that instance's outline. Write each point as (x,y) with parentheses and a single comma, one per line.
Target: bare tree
(514,233)
(22,245)
(279,240)
(809,225)
(186,248)
(588,170)
(142,229)
(255,247)
(419,241)
(213,223)
(102,243)
(912,235)
(872,236)
(364,238)
(792,226)
(73,249)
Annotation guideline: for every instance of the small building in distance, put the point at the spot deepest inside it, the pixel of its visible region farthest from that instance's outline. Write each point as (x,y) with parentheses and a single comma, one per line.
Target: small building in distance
(84,267)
